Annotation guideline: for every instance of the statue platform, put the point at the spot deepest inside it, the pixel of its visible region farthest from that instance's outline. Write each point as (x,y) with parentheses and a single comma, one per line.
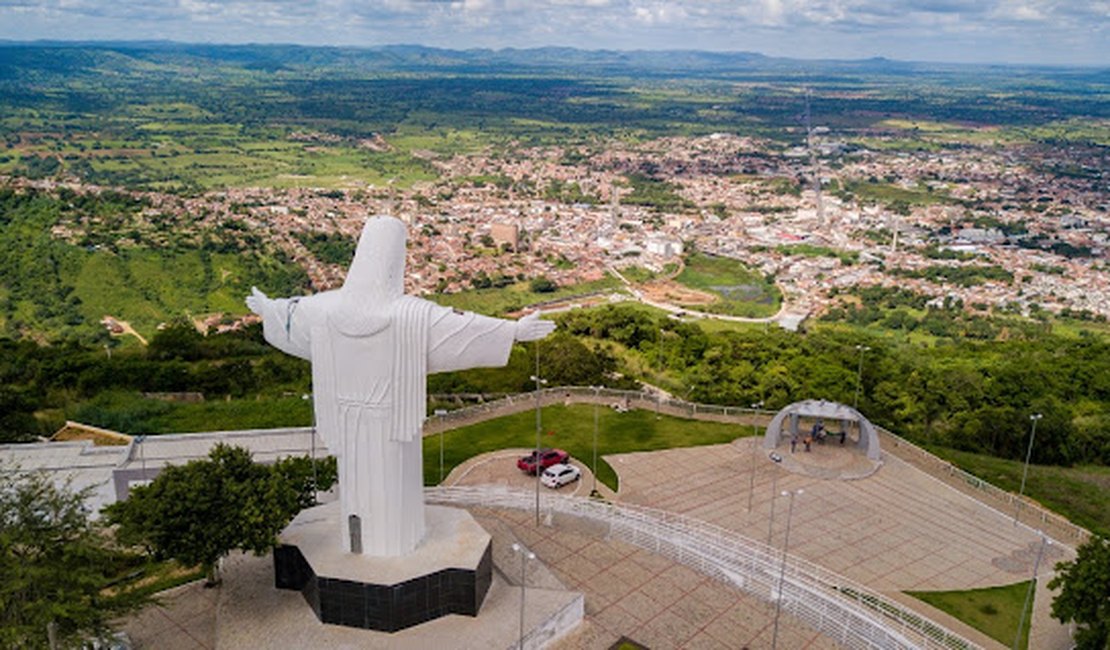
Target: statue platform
(252,614)
(449,573)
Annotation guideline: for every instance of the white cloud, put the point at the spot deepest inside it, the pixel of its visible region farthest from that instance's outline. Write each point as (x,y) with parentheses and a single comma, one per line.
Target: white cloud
(940,29)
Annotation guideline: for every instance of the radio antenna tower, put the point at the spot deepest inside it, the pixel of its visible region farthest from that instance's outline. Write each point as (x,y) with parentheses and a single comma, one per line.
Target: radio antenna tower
(815,170)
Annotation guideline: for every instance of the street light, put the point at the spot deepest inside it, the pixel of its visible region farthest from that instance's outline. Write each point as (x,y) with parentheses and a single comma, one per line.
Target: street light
(142,456)
(597,398)
(859,374)
(755,438)
(536,458)
(1028,454)
(782,568)
(774,488)
(525,555)
(1029,592)
(439,415)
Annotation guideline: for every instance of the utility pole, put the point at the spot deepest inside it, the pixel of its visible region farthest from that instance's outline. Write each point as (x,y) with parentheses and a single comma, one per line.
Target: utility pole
(539,425)
(1029,592)
(782,568)
(525,555)
(597,398)
(1036,417)
(755,445)
(859,374)
(439,415)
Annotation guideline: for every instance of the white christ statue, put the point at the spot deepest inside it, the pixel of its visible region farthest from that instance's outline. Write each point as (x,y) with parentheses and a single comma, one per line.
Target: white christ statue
(371,349)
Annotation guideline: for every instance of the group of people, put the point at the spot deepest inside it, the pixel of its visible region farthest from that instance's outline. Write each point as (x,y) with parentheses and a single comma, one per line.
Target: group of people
(818,433)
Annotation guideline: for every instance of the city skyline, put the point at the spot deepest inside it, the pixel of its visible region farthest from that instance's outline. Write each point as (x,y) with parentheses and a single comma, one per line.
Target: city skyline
(1051,32)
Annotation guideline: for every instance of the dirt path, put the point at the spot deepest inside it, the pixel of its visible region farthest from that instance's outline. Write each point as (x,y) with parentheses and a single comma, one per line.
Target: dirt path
(125,329)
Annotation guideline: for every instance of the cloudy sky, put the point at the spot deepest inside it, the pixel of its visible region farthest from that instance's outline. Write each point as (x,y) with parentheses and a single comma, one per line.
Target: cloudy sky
(1022,31)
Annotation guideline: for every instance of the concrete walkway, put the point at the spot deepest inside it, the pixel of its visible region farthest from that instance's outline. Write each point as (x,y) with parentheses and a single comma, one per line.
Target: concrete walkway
(897,530)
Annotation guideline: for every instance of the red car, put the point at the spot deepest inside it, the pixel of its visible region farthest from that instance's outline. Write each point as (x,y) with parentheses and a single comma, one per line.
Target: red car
(548,457)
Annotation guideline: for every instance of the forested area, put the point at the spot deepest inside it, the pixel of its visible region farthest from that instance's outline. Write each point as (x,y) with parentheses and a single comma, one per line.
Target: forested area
(960,393)
(963,394)
(68,259)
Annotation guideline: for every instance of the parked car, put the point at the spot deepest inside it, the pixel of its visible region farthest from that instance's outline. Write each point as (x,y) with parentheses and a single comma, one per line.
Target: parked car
(559,475)
(548,457)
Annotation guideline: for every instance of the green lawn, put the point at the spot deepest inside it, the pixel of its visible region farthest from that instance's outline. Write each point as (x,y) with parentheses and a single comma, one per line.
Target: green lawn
(572,428)
(995,611)
(497,302)
(1082,493)
(887,193)
(740,291)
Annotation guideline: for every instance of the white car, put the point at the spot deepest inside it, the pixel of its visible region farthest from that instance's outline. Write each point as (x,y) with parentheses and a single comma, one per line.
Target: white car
(559,475)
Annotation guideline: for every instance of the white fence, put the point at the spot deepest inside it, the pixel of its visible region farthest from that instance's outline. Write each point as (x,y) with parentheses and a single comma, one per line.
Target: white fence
(846,612)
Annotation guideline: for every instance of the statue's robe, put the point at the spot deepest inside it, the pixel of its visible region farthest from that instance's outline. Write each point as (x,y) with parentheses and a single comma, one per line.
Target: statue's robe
(369,388)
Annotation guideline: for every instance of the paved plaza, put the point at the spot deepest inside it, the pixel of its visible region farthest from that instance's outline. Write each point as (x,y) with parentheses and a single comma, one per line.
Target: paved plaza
(896,529)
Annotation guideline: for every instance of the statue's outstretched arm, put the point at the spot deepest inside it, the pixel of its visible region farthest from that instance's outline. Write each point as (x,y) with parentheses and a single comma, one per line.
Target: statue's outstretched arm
(531,328)
(282,324)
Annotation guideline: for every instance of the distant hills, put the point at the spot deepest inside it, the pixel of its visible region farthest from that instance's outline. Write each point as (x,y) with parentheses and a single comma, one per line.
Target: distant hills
(416,58)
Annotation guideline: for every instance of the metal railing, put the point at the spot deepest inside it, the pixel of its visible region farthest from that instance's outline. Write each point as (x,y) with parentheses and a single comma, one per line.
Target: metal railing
(1032,513)
(844,611)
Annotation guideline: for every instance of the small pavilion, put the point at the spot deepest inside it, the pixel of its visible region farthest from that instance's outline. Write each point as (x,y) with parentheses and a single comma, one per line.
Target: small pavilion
(785,424)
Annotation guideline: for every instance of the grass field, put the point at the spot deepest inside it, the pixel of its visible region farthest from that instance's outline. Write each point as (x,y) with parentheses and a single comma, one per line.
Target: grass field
(497,302)
(740,291)
(572,428)
(146,287)
(1082,494)
(868,192)
(995,612)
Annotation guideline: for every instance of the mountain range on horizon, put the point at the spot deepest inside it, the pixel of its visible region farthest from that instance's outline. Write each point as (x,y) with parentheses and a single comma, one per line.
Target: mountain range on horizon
(411,57)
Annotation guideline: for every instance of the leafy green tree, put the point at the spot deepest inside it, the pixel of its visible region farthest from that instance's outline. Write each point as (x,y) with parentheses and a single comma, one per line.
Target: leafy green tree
(178,340)
(198,512)
(55,563)
(542,284)
(1084,585)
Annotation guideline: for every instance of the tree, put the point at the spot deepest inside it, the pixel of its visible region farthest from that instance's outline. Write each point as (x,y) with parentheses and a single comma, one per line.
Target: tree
(178,340)
(55,563)
(1084,585)
(543,284)
(198,512)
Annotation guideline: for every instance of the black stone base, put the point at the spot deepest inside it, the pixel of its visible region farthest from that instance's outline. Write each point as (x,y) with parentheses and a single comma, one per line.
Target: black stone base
(387,608)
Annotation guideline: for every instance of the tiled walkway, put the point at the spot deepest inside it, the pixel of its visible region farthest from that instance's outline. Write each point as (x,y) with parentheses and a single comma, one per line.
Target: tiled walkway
(648,598)
(896,530)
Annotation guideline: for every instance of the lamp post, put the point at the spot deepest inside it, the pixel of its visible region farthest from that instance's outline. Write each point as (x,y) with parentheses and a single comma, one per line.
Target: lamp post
(782,568)
(1028,454)
(1029,592)
(859,374)
(142,455)
(536,458)
(597,398)
(755,438)
(774,488)
(439,415)
(525,555)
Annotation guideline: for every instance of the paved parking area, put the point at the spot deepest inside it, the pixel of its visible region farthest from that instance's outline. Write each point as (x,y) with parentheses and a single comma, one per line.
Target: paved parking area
(499,468)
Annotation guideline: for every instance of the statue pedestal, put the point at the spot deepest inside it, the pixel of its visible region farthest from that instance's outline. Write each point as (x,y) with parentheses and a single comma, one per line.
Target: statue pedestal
(449,573)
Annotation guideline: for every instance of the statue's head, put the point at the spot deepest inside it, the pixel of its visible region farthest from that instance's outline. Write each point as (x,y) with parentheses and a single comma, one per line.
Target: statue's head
(376,278)
(379,265)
